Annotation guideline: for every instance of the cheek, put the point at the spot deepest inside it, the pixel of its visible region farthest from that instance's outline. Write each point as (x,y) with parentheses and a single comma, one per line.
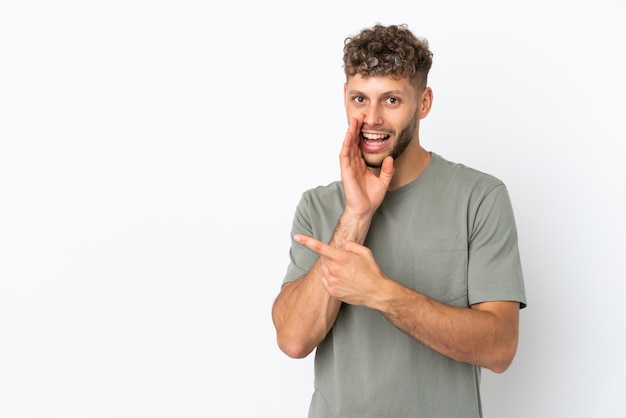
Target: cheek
(352,111)
(412,117)
(399,120)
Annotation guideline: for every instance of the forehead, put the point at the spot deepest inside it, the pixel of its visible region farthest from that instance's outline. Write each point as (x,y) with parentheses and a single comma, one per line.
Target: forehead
(379,85)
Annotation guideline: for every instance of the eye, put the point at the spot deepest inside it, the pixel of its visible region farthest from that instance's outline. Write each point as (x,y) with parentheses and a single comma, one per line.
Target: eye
(393,101)
(358,99)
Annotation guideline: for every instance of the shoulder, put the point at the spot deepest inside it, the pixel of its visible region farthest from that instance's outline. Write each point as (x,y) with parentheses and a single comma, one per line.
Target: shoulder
(457,175)
(324,193)
(318,211)
(325,198)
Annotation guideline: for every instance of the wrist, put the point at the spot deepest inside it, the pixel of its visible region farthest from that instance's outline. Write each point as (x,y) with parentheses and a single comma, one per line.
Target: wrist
(351,227)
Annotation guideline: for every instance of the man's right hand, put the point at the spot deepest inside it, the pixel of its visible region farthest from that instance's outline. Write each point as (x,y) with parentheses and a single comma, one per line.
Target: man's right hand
(364,190)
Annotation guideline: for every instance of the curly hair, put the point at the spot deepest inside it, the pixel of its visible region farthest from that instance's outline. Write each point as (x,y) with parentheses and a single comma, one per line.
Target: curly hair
(390,51)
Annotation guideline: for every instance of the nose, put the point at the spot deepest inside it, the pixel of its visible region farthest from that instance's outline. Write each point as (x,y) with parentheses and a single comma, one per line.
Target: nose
(373,115)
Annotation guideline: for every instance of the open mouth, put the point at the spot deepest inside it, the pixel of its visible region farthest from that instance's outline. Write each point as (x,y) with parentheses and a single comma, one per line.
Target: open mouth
(374,139)
(371,140)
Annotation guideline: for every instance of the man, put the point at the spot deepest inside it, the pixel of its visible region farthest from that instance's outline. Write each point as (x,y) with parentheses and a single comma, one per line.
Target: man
(404,276)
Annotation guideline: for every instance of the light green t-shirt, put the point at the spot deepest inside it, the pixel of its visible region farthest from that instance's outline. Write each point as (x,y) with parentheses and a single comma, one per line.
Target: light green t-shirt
(450,235)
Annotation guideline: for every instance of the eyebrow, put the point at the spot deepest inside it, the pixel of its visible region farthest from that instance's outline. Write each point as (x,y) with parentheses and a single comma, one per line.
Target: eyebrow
(385,93)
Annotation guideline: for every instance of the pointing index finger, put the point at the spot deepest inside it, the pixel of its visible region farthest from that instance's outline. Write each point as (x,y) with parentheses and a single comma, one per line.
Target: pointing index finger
(314,245)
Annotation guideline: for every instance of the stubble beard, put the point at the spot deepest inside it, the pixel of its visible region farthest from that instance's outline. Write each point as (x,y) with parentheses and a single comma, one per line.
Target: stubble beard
(403,141)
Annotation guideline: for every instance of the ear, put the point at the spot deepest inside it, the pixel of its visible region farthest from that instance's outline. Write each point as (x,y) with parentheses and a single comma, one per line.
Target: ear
(345,94)
(425,102)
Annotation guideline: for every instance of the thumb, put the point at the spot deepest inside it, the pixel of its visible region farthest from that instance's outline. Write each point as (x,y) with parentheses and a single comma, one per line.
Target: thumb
(386,170)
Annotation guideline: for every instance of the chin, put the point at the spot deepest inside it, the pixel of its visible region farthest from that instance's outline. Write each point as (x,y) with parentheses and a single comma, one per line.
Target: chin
(374,162)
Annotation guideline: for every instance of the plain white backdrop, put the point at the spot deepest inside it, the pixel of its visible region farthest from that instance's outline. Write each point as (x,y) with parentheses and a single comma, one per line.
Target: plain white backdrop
(152,154)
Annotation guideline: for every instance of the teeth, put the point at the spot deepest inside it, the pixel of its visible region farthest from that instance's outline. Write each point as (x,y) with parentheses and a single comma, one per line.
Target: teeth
(374,136)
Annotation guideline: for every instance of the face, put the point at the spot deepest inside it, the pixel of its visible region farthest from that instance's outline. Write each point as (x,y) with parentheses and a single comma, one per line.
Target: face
(392,113)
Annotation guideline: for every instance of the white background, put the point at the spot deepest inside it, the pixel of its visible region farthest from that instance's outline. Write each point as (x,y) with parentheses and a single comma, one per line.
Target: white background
(152,154)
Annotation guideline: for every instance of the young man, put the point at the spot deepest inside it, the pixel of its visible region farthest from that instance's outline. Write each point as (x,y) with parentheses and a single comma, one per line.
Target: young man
(405,275)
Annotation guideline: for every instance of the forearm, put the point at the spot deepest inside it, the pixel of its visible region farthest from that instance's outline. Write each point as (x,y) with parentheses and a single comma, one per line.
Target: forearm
(350,228)
(304,312)
(485,335)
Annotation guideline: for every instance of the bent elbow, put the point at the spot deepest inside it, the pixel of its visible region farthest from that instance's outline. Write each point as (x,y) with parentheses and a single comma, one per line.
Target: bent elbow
(500,366)
(292,343)
(293,348)
(502,362)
